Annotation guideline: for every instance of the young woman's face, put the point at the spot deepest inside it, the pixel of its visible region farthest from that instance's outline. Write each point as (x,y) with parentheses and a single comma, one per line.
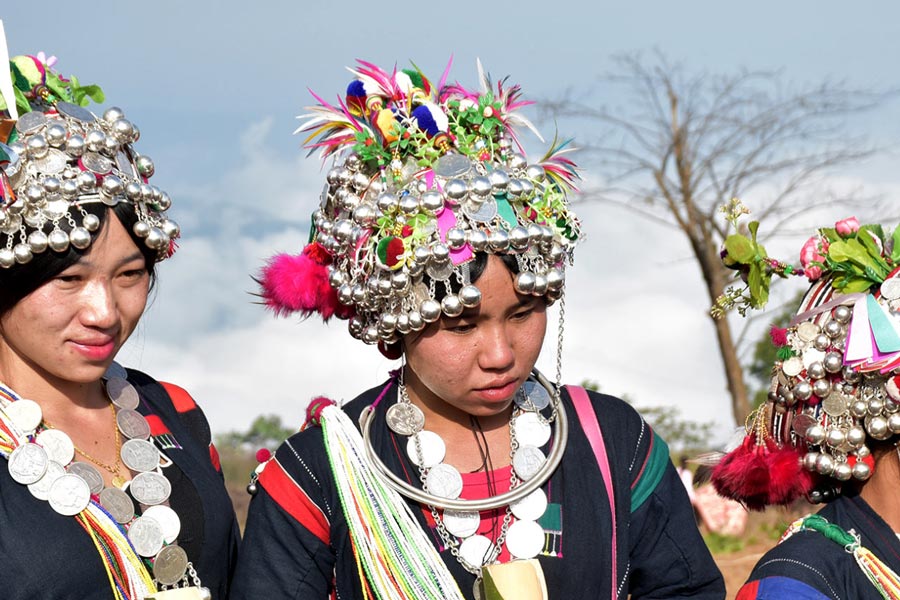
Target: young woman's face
(70,328)
(476,362)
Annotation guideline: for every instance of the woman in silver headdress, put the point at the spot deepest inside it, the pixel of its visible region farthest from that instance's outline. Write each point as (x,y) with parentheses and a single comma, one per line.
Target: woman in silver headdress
(110,487)
(829,429)
(470,473)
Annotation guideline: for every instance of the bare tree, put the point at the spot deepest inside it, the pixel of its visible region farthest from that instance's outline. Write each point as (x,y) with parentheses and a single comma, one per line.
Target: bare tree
(684,144)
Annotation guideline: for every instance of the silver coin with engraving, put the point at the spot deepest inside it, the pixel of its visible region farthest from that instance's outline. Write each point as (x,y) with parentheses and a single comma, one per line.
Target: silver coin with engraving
(69,495)
(483,212)
(890,288)
(122,393)
(807,330)
(96,163)
(405,418)
(150,488)
(31,121)
(792,366)
(533,395)
(132,424)
(461,523)
(125,165)
(58,445)
(89,473)
(167,518)
(452,165)
(55,161)
(476,550)
(445,481)
(531,429)
(75,112)
(146,536)
(170,565)
(835,404)
(25,414)
(40,489)
(530,508)
(140,455)
(525,539)
(801,423)
(439,271)
(115,370)
(527,461)
(118,504)
(430,445)
(28,463)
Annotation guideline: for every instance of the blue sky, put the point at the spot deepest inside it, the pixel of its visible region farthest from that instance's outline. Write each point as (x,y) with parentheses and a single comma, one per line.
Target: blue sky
(215,88)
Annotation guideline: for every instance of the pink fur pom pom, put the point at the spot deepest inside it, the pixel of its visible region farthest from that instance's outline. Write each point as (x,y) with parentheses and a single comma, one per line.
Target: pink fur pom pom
(788,479)
(743,475)
(300,284)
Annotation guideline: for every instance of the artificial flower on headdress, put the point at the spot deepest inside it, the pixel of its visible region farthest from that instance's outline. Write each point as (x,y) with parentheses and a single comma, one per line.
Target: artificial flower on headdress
(427,174)
(835,377)
(35,84)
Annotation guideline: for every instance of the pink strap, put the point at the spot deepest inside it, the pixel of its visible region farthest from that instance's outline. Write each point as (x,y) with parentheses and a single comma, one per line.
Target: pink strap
(588,419)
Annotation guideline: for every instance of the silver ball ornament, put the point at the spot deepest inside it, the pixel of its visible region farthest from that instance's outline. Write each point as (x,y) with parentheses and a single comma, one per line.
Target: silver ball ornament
(75,145)
(56,134)
(821,388)
(535,172)
(861,471)
(95,140)
(22,253)
(816,370)
(37,146)
(803,391)
(69,189)
(113,114)
(430,310)
(499,181)
(156,239)
(833,362)
(416,322)
(856,436)
(540,284)
(525,282)
(171,229)
(58,240)
(815,434)
(456,190)
(38,241)
(145,165)
(842,314)
(141,229)
(878,428)
(387,202)
(456,238)
(824,464)
(470,296)
(519,238)
(894,422)
(832,329)
(835,437)
(451,305)
(859,408)
(555,279)
(822,342)
(478,240)
(7,258)
(498,240)
(481,186)
(80,237)
(842,471)
(432,201)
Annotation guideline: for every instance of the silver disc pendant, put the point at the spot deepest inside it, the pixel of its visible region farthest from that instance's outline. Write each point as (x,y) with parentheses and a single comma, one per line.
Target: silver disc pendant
(481,213)
(404,418)
(432,447)
(530,508)
(476,550)
(140,455)
(150,488)
(118,504)
(170,565)
(75,112)
(58,445)
(28,463)
(792,366)
(531,430)
(122,393)
(525,539)
(807,330)
(167,518)
(835,404)
(445,481)
(31,121)
(440,271)
(533,396)
(69,495)
(87,472)
(96,163)
(132,424)
(146,536)
(461,523)
(890,288)
(25,414)
(527,461)
(40,489)
(452,165)
(53,162)
(115,370)
(801,423)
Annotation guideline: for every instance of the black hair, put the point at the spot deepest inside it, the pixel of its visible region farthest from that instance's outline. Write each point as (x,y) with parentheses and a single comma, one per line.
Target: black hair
(476,270)
(19,281)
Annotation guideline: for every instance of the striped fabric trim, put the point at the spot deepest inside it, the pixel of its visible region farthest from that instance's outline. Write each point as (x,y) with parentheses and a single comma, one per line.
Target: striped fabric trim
(651,472)
(294,500)
(161,434)
(776,588)
(180,398)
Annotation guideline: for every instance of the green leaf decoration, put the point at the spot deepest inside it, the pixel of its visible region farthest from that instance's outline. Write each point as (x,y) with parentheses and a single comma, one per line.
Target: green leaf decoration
(759,285)
(753,226)
(830,234)
(739,248)
(895,253)
(856,284)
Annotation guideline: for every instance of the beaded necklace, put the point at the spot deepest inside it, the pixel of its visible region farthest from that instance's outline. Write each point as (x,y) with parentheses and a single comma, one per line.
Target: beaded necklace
(131,547)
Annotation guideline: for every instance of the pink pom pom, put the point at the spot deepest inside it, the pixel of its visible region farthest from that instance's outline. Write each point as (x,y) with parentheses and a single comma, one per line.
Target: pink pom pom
(300,284)
(315,408)
(778,335)
(262,455)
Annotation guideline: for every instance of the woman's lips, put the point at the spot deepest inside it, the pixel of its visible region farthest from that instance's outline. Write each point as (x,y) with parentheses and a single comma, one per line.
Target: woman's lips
(498,391)
(98,350)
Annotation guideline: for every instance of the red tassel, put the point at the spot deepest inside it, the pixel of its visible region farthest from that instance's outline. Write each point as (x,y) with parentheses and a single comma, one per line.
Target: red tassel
(315,408)
(300,284)
(743,475)
(788,479)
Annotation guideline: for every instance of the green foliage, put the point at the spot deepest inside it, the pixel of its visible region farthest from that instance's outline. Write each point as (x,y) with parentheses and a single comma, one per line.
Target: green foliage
(723,544)
(682,435)
(266,431)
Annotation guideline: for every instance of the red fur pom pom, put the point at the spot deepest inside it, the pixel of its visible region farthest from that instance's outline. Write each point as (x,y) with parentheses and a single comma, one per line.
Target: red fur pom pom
(743,475)
(300,284)
(788,479)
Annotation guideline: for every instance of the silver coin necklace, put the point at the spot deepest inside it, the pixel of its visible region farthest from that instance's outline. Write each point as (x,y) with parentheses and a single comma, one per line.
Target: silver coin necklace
(45,462)
(458,529)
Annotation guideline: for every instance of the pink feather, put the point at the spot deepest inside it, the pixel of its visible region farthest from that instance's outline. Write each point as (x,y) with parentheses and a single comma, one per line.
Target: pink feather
(300,284)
